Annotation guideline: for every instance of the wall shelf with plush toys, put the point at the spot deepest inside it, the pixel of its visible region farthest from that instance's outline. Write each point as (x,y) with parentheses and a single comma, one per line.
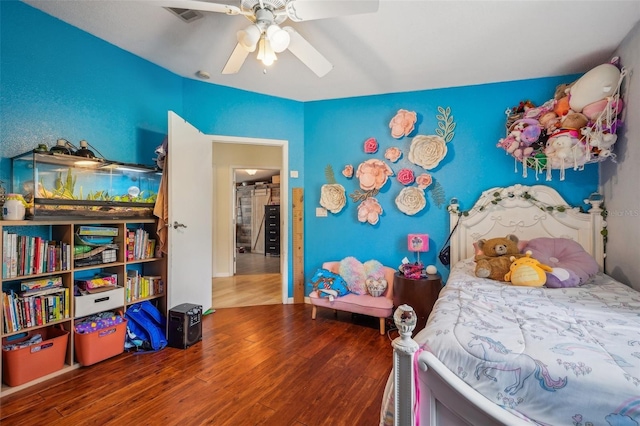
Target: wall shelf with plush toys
(577,126)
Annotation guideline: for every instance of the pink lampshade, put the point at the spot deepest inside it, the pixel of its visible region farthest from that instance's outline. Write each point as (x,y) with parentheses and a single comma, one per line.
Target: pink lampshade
(418,242)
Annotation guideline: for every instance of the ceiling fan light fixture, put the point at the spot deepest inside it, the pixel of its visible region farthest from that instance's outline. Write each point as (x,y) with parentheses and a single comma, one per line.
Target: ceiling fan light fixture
(265,52)
(278,38)
(249,37)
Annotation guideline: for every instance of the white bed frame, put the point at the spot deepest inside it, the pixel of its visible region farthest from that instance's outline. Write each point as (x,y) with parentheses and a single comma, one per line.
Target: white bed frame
(528,212)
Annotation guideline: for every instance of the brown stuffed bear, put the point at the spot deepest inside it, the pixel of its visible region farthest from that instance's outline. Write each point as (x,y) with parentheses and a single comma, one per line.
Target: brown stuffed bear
(495,260)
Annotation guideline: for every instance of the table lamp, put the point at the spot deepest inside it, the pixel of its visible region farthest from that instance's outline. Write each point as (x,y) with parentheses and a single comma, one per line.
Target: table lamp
(418,243)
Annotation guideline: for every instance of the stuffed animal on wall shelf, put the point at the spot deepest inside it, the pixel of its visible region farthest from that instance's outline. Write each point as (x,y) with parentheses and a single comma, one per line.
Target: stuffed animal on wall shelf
(527,271)
(495,260)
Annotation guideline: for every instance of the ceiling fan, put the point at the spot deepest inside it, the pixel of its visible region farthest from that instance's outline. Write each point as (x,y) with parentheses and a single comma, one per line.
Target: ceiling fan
(265,33)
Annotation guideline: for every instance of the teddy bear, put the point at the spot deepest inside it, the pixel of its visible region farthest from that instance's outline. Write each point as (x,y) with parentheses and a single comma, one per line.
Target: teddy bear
(527,271)
(495,260)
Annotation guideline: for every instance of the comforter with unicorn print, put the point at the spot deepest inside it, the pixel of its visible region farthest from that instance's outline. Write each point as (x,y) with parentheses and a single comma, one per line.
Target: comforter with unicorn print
(558,356)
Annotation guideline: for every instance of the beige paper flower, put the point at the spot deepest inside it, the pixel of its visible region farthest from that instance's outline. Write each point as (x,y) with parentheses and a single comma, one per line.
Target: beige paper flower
(402,123)
(411,200)
(369,210)
(424,180)
(427,151)
(333,197)
(393,154)
(373,174)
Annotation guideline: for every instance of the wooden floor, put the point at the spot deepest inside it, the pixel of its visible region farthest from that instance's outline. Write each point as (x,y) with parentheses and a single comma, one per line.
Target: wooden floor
(268,365)
(257,282)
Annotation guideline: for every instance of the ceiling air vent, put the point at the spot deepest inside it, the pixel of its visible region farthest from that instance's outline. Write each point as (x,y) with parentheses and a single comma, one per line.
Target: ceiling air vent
(187,15)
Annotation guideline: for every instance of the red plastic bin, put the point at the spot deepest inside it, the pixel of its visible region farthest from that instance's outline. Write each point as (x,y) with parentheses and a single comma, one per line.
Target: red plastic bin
(100,344)
(23,365)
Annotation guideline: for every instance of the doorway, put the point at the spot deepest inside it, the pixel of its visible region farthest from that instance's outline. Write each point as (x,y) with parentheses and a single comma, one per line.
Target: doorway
(247,273)
(257,225)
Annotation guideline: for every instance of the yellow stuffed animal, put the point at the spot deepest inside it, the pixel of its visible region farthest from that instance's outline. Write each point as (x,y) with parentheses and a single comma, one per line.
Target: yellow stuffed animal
(527,271)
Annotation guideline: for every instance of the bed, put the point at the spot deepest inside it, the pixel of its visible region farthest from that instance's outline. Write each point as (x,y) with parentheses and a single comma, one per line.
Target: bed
(493,353)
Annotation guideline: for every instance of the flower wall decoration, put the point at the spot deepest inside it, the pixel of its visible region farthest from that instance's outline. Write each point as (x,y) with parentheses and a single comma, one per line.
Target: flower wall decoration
(371,146)
(405,176)
(332,195)
(427,151)
(393,154)
(369,210)
(372,174)
(403,123)
(424,180)
(424,151)
(411,200)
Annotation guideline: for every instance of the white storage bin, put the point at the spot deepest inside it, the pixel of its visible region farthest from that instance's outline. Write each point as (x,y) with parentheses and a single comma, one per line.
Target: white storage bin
(98,302)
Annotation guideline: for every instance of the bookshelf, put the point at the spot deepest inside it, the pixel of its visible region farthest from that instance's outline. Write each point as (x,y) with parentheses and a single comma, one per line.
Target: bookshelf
(48,248)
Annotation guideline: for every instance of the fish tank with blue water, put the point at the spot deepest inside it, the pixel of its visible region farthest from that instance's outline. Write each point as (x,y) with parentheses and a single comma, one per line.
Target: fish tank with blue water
(66,186)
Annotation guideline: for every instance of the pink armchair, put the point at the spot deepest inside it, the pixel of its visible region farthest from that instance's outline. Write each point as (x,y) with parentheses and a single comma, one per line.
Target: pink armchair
(365,304)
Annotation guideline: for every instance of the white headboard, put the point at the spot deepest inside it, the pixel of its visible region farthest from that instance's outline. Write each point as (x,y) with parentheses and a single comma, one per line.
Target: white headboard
(528,212)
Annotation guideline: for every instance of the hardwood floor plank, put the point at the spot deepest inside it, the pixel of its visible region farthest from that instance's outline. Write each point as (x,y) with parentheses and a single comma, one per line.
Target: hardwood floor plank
(267,364)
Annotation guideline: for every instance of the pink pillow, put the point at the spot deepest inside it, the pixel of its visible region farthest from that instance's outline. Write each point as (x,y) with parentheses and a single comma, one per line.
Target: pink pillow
(563,254)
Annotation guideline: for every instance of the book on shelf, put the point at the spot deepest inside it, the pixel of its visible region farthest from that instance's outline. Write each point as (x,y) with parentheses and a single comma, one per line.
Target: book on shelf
(31,310)
(41,283)
(24,255)
(104,231)
(130,244)
(6,258)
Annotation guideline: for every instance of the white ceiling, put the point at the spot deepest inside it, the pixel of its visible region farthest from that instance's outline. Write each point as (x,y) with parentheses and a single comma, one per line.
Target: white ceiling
(405,46)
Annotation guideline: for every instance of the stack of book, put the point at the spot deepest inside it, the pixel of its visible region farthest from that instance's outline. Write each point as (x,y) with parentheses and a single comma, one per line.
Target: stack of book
(139,245)
(142,286)
(37,303)
(24,255)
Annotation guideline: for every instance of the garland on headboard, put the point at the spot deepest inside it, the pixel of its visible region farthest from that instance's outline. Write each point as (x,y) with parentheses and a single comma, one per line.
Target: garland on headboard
(516,191)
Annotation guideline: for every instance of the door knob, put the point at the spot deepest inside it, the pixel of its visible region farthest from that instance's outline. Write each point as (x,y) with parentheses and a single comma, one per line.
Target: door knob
(177,225)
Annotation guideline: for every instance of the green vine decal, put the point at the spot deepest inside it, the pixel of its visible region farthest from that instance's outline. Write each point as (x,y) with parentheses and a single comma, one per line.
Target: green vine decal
(498,198)
(446,125)
(438,195)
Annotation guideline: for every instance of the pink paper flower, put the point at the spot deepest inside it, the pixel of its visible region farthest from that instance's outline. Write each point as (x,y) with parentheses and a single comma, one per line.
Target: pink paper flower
(348,171)
(373,174)
(370,146)
(402,123)
(424,180)
(369,210)
(405,176)
(393,154)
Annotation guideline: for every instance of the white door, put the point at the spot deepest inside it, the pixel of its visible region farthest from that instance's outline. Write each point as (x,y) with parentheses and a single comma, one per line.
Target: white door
(190,208)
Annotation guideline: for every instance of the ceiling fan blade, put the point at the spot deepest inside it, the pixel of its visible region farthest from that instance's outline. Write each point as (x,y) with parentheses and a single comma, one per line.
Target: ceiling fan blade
(307,54)
(201,6)
(308,10)
(236,60)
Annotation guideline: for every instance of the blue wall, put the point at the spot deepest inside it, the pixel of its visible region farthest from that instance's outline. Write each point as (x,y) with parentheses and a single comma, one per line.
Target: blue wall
(58,81)
(334,135)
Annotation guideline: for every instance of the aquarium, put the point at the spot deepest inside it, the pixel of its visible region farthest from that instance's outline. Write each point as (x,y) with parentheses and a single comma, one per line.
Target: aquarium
(57,185)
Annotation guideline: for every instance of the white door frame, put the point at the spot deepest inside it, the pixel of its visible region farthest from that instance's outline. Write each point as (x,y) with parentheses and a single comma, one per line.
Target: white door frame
(284,202)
